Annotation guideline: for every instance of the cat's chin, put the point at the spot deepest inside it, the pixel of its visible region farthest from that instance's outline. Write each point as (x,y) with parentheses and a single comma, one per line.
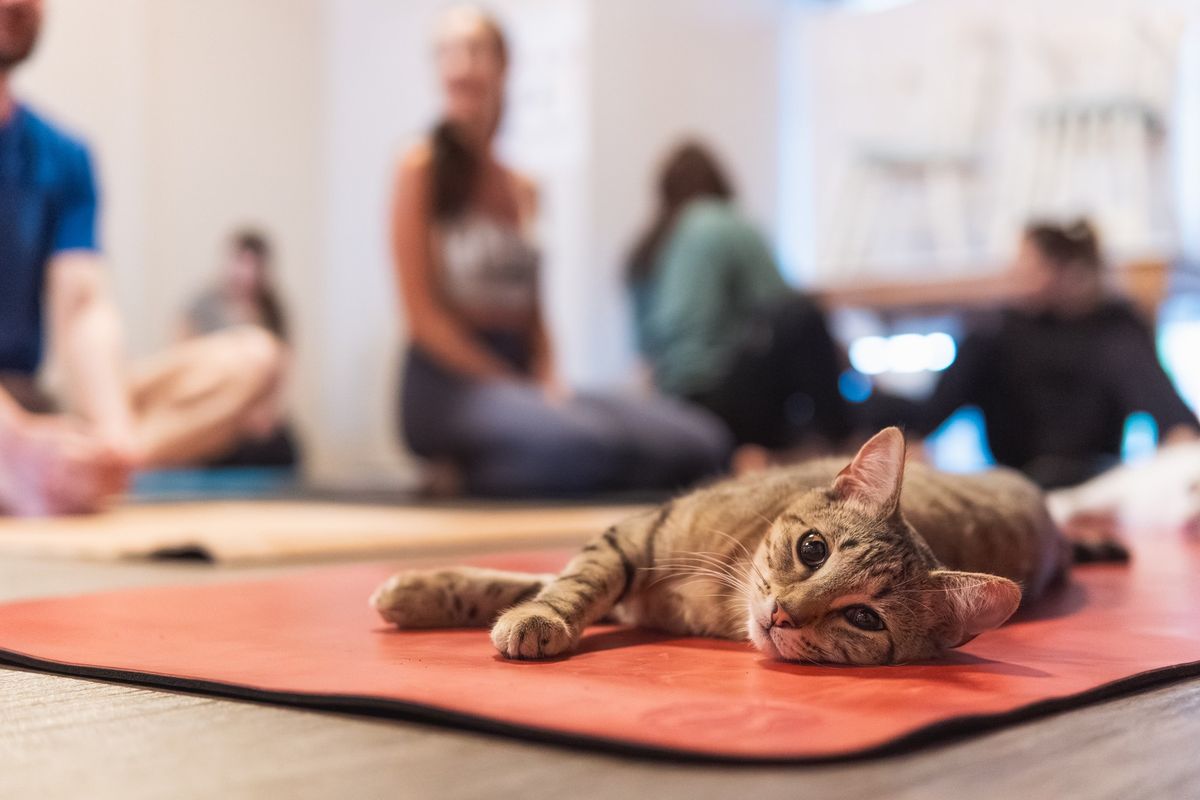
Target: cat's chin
(761,639)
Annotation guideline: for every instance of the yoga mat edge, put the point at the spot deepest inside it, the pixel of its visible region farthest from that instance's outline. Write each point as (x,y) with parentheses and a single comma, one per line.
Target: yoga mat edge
(942,732)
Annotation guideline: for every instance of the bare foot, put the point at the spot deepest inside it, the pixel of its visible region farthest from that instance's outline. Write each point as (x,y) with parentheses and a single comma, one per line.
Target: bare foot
(48,465)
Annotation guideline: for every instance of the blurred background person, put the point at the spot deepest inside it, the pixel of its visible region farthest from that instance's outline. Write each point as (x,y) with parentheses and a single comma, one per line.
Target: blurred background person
(479,383)
(246,293)
(183,406)
(1057,374)
(718,325)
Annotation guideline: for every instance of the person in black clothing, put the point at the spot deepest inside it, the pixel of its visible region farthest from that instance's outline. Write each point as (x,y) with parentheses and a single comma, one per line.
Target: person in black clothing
(1057,376)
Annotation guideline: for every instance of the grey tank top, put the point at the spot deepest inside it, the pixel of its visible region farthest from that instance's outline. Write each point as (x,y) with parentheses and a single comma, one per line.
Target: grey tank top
(489,269)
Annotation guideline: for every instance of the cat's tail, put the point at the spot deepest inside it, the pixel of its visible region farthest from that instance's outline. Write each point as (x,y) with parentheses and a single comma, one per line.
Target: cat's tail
(458,597)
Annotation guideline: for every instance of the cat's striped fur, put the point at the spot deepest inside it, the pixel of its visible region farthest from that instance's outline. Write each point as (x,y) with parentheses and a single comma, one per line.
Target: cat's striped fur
(728,561)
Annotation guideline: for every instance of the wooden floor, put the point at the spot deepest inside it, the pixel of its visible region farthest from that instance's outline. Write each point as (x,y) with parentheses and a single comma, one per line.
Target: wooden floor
(63,737)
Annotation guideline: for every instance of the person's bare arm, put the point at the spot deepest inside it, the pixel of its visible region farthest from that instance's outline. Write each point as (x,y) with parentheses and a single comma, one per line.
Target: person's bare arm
(87,340)
(430,324)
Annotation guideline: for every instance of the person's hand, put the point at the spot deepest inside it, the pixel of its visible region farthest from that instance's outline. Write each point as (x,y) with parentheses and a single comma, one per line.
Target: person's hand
(1181,434)
(51,465)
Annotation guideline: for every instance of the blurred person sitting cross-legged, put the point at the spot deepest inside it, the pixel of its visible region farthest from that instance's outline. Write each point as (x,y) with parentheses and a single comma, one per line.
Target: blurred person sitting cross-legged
(184,406)
(718,325)
(245,293)
(1057,374)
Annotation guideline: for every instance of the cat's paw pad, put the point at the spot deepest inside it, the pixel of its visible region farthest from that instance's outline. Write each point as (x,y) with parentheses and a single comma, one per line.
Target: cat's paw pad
(532,631)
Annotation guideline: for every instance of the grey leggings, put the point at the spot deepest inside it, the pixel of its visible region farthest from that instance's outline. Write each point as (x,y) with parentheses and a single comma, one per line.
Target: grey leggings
(510,441)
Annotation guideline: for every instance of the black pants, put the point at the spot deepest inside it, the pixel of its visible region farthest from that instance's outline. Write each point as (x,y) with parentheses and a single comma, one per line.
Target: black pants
(781,388)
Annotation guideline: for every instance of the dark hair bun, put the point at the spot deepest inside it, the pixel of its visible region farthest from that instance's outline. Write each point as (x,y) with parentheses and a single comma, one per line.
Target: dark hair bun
(1071,244)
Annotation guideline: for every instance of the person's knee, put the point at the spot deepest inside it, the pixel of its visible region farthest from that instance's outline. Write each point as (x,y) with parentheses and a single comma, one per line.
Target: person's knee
(260,354)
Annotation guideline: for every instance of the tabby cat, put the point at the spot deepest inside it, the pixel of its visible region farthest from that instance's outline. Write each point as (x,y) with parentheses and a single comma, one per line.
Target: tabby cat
(813,563)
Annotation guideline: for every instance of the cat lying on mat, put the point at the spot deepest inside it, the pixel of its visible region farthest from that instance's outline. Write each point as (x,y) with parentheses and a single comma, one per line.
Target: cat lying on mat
(813,562)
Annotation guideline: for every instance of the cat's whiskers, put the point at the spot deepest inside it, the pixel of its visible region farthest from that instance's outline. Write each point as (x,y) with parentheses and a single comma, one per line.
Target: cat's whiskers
(763,517)
(735,582)
(703,558)
(698,559)
(724,559)
(749,556)
(693,582)
(724,562)
(704,573)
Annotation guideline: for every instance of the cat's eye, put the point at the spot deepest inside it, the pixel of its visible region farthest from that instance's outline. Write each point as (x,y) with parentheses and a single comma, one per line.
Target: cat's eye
(863,618)
(811,550)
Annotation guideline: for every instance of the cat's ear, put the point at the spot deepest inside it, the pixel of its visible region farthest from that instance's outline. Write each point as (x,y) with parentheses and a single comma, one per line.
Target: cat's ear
(874,477)
(973,602)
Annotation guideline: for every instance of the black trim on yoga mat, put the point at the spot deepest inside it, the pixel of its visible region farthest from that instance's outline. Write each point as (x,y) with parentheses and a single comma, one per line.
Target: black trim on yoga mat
(942,732)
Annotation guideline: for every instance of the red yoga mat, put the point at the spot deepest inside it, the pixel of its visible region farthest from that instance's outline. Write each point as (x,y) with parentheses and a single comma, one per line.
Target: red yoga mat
(310,640)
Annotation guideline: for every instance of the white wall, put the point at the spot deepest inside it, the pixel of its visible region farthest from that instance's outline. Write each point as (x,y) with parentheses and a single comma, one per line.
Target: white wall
(664,71)
(379,98)
(893,76)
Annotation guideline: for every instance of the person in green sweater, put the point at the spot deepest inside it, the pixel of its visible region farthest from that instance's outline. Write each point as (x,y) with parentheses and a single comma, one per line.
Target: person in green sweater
(718,325)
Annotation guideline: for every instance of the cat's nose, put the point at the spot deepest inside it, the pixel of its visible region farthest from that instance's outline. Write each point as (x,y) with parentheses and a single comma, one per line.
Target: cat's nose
(781,618)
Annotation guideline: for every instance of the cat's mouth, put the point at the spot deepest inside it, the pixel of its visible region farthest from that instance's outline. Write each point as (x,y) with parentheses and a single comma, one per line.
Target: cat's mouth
(760,637)
(784,644)
(769,647)
(778,646)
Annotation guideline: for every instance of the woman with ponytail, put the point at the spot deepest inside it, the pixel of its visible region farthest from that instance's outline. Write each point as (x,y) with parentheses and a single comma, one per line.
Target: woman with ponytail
(479,384)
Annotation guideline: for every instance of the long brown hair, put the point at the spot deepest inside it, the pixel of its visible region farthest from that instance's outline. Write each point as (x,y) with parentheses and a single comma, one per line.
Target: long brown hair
(266,296)
(690,172)
(455,166)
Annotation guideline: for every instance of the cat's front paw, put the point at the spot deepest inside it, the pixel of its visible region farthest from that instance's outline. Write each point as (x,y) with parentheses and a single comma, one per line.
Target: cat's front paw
(412,600)
(532,630)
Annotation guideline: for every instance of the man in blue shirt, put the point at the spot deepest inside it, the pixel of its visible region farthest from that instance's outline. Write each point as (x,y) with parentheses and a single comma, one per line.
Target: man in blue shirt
(186,405)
